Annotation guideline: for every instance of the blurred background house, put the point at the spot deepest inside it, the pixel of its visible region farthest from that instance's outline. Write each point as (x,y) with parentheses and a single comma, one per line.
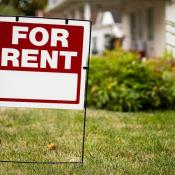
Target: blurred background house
(145,26)
(106,30)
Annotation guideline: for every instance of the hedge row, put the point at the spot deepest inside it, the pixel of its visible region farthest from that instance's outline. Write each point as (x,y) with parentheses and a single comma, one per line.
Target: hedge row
(121,81)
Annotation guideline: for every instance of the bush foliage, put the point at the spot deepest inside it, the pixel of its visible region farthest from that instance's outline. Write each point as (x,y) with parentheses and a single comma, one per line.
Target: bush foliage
(121,81)
(8,10)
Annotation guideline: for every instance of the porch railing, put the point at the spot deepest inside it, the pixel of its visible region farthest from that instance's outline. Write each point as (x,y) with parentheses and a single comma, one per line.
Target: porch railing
(170,24)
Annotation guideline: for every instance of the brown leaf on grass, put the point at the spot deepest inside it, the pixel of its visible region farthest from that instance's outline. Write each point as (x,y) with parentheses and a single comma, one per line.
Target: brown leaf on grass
(0,141)
(51,146)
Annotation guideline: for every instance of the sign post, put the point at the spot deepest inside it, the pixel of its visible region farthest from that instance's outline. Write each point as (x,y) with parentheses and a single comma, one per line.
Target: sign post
(44,64)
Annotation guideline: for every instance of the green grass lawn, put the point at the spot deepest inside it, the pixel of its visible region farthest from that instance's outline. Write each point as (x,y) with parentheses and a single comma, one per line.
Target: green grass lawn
(116,143)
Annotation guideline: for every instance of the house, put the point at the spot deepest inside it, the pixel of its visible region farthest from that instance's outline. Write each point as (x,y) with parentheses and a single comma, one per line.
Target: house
(147,26)
(106,33)
(106,29)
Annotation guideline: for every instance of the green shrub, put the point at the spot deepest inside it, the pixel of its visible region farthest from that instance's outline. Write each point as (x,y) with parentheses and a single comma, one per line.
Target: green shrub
(8,10)
(121,81)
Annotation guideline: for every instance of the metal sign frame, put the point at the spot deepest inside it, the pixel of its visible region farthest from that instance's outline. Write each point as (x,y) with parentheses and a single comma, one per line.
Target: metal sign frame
(85,104)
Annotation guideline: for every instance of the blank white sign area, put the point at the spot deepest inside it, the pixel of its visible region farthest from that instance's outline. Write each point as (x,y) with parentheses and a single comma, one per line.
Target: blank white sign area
(38,85)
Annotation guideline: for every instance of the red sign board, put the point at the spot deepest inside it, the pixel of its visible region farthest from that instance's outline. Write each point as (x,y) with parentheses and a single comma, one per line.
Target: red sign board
(41,62)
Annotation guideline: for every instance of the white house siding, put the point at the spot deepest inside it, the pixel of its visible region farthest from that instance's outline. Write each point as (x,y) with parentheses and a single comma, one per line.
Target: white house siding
(170,34)
(155,47)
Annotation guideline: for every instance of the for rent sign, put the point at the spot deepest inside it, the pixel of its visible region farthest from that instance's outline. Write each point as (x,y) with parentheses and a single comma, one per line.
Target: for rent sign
(41,62)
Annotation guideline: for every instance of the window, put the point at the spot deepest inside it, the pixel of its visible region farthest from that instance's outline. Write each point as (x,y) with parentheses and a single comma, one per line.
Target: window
(150,23)
(139,24)
(133,25)
(107,39)
(94,45)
